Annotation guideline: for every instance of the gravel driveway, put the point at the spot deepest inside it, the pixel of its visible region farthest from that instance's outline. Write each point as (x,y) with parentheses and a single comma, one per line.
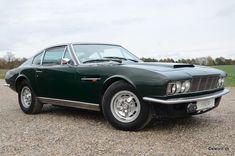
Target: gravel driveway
(67,131)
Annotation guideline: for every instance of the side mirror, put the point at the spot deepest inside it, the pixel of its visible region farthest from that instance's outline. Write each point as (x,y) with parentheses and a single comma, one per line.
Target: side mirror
(65,60)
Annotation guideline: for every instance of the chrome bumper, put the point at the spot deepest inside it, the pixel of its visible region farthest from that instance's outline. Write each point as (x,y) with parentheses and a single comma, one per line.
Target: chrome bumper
(188,99)
(7,85)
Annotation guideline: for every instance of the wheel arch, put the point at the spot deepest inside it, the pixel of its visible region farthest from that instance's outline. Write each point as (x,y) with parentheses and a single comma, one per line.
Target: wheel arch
(108,82)
(19,79)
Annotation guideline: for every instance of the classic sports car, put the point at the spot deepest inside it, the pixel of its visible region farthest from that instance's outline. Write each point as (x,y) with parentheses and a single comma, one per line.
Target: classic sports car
(108,78)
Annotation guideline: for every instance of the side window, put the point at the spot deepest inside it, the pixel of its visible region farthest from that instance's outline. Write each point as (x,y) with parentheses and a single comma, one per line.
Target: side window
(53,56)
(37,59)
(67,55)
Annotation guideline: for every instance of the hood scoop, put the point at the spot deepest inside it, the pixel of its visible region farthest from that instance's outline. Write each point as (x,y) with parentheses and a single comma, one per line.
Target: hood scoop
(170,65)
(183,65)
(159,66)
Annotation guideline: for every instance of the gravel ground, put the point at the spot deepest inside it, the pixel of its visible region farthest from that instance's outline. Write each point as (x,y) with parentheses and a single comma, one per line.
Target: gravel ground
(67,131)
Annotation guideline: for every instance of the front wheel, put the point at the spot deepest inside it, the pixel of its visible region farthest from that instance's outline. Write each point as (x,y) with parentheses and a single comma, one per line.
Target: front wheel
(123,108)
(29,104)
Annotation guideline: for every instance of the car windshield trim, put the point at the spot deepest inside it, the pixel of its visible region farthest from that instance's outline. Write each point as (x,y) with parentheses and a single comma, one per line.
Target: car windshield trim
(123,55)
(121,58)
(101,60)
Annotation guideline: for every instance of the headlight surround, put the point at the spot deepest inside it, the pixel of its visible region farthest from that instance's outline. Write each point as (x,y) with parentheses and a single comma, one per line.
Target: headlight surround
(173,88)
(178,87)
(187,85)
(220,82)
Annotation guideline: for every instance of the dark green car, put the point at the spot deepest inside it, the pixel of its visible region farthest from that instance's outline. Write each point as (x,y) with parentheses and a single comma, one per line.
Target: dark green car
(108,78)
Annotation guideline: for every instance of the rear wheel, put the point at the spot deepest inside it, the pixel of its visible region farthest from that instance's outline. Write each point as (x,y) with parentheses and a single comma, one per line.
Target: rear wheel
(29,104)
(123,108)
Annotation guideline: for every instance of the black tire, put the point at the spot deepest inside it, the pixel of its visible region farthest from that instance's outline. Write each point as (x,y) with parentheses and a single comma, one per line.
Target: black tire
(144,115)
(35,106)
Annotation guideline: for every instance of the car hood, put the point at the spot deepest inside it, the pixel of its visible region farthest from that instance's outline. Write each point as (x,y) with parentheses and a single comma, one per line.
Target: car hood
(179,69)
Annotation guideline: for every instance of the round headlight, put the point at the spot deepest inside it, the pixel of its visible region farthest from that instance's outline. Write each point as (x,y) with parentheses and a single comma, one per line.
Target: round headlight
(178,86)
(219,82)
(222,81)
(173,88)
(187,86)
(182,88)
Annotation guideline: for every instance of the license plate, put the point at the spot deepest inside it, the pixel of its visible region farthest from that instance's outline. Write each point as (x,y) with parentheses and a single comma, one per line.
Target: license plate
(205,104)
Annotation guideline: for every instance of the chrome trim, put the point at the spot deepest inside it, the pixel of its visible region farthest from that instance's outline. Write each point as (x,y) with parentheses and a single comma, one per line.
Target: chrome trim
(55,47)
(214,77)
(80,43)
(73,56)
(7,85)
(90,79)
(69,103)
(43,55)
(213,89)
(92,43)
(67,49)
(71,50)
(63,55)
(206,84)
(199,84)
(74,53)
(39,53)
(188,99)
(52,46)
(43,50)
(181,81)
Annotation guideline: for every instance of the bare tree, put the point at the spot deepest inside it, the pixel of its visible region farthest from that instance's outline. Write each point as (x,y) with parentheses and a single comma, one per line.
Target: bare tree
(9,57)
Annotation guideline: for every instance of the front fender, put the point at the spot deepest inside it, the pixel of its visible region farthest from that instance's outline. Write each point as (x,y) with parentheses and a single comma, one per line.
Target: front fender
(119,77)
(146,83)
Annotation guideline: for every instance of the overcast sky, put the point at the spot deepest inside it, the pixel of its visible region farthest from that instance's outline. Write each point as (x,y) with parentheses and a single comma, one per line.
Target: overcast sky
(148,28)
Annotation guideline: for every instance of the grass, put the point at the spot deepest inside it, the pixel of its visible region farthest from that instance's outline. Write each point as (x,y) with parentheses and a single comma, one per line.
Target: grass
(230,70)
(2,73)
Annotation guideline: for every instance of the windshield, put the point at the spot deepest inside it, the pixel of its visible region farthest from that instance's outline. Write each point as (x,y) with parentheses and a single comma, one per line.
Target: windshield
(98,52)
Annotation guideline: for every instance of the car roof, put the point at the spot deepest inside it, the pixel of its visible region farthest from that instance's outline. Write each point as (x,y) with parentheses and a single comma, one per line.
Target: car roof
(91,43)
(82,43)
(73,43)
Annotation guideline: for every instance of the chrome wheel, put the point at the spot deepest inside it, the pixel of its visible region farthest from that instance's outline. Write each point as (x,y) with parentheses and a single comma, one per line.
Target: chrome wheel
(26,97)
(125,106)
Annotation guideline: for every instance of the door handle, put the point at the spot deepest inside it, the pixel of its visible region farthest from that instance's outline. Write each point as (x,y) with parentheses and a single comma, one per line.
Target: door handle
(38,71)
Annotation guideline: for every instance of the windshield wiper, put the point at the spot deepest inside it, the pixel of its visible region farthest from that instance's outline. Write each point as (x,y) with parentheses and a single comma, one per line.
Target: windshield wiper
(101,60)
(121,58)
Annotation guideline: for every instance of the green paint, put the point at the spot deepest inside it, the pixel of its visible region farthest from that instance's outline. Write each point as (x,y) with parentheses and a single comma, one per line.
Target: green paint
(65,81)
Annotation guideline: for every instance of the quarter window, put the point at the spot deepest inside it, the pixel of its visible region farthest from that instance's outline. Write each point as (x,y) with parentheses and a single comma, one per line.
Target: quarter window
(37,59)
(67,55)
(53,56)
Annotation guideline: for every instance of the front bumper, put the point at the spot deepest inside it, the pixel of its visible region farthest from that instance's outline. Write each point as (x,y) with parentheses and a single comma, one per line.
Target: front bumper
(188,99)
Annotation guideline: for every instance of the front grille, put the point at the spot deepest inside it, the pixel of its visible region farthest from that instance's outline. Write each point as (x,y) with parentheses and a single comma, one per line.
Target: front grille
(204,83)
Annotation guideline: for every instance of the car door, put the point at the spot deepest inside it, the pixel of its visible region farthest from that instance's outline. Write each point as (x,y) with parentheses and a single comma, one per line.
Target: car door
(54,79)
